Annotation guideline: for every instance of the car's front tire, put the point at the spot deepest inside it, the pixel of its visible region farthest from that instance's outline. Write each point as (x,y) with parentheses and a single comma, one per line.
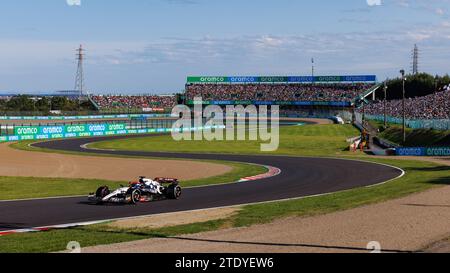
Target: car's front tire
(135,196)
(102,192)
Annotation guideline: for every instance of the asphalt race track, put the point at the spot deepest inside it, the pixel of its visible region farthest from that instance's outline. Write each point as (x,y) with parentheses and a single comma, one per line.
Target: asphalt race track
(300,177)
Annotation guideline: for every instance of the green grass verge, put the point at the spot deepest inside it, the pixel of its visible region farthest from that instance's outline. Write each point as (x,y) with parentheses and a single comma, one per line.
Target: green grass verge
(13,188)
(420,176)
(317,140)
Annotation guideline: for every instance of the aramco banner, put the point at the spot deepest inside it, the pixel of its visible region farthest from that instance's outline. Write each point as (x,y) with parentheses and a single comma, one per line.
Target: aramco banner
(61,130)
(85,130)
(422,151)
(281,79)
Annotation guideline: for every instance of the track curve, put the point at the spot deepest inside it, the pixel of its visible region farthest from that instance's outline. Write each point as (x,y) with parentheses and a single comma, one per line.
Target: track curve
(300,177)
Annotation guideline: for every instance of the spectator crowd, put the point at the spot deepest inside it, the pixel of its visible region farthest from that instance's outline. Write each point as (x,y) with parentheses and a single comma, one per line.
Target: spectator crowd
(277,92)
(434,106)
(133,102)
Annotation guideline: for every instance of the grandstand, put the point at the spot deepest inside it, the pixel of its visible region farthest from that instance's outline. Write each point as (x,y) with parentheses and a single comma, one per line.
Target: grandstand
(331,90)
(434,106)
(297,95)
(142,103)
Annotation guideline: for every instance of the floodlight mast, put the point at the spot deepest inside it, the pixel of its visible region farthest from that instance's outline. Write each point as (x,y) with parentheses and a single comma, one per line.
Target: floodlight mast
(402,72)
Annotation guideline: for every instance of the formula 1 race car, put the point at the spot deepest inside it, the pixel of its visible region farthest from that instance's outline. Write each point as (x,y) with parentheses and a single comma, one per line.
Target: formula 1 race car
(144,190)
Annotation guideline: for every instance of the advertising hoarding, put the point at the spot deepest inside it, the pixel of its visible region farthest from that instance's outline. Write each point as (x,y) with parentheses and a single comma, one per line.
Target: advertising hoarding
(280,79)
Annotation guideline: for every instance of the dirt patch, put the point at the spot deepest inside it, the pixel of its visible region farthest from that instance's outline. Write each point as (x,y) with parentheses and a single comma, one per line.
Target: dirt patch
(175,219)
(38,164)
(406,224)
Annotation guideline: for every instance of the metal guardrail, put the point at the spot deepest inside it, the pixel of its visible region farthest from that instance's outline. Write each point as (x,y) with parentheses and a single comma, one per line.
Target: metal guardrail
(385,143)
(367,92)
(10,129)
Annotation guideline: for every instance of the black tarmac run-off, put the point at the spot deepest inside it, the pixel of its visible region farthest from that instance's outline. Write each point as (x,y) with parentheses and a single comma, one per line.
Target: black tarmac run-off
(299,177)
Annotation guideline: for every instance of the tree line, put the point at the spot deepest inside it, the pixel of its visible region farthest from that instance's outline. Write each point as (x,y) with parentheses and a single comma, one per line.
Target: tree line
(417,85)
(24,103)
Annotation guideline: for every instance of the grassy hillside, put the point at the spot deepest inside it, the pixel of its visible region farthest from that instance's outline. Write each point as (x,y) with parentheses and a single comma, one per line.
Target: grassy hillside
(417,138)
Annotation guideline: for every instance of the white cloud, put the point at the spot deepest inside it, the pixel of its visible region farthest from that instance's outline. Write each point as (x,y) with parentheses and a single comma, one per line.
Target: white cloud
(440,11)
(374,2)
(437,7)
(73,2)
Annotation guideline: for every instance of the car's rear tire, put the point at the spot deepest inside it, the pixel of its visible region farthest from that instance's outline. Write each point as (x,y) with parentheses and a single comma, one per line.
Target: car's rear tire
(173,192)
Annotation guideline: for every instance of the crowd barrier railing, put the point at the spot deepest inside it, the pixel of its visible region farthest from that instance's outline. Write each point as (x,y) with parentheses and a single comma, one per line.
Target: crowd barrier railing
(437,124)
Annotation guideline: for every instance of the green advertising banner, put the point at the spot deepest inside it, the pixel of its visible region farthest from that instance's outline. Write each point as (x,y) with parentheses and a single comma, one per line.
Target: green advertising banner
(207,79)
(34,133)
(273,79)
(282,79)
(20,131)
(329,79)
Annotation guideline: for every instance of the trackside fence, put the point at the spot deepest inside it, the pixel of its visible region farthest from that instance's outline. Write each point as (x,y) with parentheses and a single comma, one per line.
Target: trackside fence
(436,124)
(11,129)
(83,117)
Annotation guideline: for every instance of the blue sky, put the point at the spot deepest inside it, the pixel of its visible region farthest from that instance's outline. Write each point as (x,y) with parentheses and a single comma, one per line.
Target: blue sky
(150,46)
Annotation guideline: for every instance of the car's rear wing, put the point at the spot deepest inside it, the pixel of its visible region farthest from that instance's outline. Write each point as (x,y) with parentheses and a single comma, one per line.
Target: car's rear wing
(165,180)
